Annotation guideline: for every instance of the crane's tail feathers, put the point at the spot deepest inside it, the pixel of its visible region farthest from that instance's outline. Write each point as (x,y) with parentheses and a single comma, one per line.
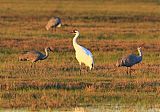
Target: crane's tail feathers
(59,25)
(92,66)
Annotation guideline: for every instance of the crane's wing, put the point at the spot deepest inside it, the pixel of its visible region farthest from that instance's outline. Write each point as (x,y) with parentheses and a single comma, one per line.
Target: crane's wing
(57,22)
(87,51)
(51,22)
(135,59)
(34,54)
(130,60)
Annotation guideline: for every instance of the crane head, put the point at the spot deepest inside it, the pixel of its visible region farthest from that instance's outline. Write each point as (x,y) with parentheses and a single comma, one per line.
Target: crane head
(47,27)
(50,49)
(139,48)
(74,31)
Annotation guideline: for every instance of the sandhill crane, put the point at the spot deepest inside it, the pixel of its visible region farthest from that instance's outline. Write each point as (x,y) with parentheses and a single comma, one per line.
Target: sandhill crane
(130,60)
(34,55)
(83,55)
(54,22)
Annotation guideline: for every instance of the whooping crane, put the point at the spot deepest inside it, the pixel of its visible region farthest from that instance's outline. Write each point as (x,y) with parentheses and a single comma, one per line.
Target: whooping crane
(83,55)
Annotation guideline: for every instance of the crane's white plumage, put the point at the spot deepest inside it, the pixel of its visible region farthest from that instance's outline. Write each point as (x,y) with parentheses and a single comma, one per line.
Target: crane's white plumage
(83,55)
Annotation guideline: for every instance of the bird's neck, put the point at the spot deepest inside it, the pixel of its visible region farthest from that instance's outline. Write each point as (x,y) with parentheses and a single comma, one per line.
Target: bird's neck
(140,53)
(139,58)
(46,51)
(75,40)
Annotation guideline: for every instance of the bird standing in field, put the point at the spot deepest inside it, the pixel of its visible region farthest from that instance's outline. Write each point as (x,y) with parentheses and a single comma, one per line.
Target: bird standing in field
(130,60)
(34,55)
(54,22)
(83,55)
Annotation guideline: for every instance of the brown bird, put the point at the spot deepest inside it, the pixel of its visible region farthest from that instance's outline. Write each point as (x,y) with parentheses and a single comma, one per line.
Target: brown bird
(54,22)
(34,55)
(130,60)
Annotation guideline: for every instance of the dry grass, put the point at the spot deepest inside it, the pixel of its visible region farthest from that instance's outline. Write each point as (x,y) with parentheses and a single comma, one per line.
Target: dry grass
(110,29)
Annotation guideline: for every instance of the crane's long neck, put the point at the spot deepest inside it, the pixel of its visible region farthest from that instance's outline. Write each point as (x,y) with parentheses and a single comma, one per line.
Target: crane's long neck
(47,54)
(74,40)
(140,52)
(139,58)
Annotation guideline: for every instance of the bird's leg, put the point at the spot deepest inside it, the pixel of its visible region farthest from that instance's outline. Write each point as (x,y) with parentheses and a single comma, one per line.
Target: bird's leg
(53,29)
(130,71)
(34,64)
(80,68)
(127,70)
(86,69)
(31,65)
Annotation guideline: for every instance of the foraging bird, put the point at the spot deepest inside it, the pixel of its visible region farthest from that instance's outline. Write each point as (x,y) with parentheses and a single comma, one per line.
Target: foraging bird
(34,55)
(83,55)
(130,60)
(54,22)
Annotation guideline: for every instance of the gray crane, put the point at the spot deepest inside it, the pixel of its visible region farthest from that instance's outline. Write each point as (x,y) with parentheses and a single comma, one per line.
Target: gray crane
(34,55)
(130,60)
(54,22)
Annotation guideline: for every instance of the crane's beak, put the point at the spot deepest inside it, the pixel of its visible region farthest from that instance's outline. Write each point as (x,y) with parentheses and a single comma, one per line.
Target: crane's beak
(51,49)
(72,32)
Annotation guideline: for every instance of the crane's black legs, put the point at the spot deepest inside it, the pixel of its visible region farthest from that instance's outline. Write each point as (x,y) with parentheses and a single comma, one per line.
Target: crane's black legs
(80,70)
(84,71)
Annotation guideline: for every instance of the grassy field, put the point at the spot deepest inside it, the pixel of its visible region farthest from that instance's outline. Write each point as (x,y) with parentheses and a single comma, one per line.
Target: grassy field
(109,28)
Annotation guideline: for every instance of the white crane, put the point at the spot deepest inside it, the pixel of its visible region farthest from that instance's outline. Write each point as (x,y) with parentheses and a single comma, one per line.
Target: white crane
(83,55)
(130,60)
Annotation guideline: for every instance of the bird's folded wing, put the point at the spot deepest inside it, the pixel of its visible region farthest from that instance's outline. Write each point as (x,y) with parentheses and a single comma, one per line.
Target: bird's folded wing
(87,52)
(51,22)
(34,54)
